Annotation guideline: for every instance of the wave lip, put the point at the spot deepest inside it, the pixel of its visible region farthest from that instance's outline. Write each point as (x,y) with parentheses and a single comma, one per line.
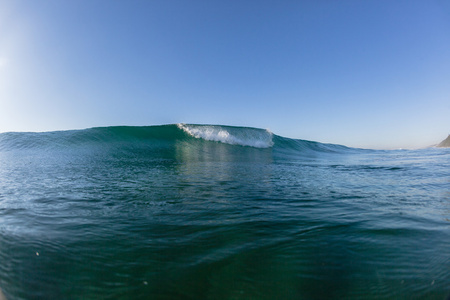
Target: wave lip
(252,137)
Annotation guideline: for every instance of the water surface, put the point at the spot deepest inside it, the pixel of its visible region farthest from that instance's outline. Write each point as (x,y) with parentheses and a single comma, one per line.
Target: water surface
(216,212)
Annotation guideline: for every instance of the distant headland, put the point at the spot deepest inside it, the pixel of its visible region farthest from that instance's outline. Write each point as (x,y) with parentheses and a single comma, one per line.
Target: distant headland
(445,143)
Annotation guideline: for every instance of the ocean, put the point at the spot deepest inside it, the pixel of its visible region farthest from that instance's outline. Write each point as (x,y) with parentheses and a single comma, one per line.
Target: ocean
(217,212)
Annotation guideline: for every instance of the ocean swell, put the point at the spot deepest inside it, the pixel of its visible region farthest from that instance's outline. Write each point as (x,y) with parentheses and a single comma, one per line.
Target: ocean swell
(153,138)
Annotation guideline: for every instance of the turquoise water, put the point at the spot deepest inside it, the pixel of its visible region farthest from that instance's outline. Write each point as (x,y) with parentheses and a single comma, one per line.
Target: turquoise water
(216,212)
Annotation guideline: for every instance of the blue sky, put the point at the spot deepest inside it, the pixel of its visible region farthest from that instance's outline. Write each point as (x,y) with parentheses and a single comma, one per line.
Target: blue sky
(372,74)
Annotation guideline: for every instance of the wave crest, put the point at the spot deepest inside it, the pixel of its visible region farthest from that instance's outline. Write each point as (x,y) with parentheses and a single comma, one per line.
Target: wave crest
(253,137)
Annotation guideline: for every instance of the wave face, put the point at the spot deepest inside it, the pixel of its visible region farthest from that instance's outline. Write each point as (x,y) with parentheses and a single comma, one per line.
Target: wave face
(164,135)
(100,136)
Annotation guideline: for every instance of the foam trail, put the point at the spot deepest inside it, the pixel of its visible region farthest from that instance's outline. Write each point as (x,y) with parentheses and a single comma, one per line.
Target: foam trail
(258,138)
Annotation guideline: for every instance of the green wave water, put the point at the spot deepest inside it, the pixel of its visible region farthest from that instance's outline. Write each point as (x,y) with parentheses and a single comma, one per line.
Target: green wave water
(217,212)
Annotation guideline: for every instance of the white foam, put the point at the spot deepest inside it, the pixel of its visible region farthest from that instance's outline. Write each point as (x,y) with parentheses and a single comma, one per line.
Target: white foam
(252,137)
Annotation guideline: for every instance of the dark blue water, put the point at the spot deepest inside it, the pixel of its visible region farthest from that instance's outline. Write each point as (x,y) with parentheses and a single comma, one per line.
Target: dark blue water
(214,212)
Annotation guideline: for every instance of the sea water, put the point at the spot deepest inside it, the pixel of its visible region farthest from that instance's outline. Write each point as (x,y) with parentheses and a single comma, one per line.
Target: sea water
(216,212)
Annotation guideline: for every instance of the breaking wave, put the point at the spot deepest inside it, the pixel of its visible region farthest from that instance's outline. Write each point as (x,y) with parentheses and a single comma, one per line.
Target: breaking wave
(252,137)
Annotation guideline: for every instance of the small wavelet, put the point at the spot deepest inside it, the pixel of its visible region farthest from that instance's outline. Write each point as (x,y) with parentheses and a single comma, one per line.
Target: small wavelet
(243,136)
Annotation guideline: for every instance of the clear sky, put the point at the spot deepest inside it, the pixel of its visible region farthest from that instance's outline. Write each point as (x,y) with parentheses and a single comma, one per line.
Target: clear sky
(372,74)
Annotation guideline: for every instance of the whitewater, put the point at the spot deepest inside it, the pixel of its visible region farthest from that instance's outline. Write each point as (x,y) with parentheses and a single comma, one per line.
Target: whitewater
(187,211)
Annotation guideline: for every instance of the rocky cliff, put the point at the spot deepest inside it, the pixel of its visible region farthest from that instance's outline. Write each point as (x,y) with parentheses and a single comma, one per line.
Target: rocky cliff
(445,143)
